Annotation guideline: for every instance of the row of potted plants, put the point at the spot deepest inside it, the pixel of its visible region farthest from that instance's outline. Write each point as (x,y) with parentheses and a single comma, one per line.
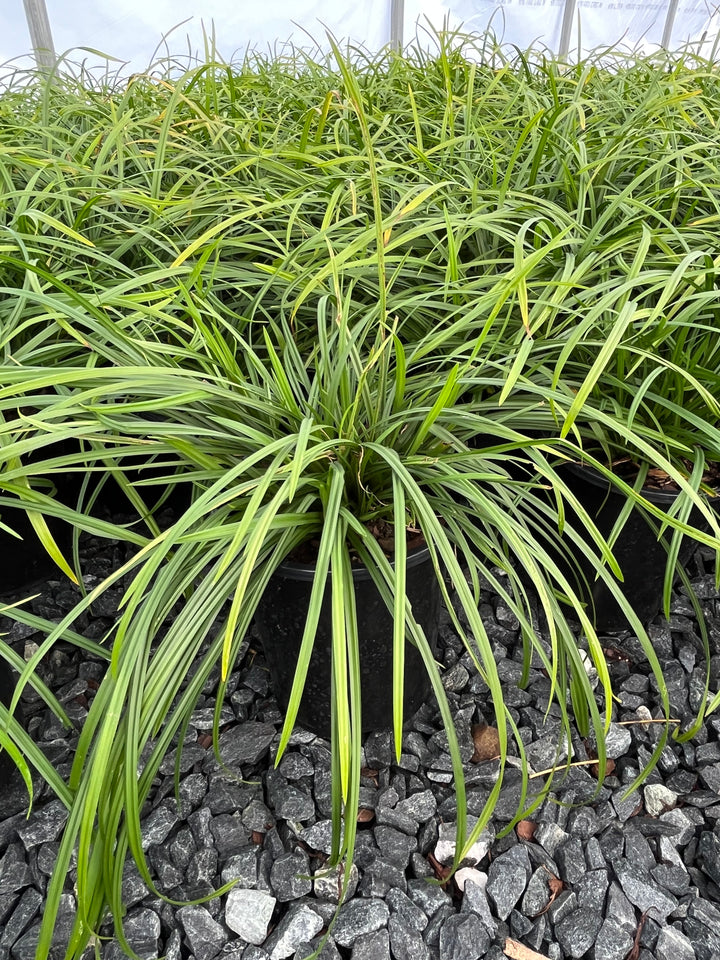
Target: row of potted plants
(376,317)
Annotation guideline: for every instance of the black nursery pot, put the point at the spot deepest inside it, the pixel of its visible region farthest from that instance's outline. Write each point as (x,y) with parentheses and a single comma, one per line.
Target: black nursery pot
(24,561)
(7,688)
(640,555)
(280,621)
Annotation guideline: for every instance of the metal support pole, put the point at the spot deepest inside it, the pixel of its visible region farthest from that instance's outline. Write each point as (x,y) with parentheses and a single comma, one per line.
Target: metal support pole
(40,34)
(669,21)
(397,17)
(567,22)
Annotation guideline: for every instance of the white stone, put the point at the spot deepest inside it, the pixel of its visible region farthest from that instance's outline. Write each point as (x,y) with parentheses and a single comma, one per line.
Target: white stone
(31,648)
(445,847)
(474,876)
(658,799)
(248,913)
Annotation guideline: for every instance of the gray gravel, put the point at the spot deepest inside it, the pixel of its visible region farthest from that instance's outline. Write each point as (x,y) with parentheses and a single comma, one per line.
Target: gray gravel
(598,874)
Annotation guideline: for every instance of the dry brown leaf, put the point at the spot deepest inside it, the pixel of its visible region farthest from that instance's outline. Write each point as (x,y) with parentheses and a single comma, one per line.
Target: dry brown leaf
(659,477)
(594,768)
(487,743)
(556,885)
(441,871)
(609,768)
(526,829)
(365,815)
(518,951)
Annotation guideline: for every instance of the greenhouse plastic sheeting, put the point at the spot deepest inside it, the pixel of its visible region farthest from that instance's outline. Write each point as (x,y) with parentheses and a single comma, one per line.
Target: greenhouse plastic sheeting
(600,22)
(515,21)
(132,30)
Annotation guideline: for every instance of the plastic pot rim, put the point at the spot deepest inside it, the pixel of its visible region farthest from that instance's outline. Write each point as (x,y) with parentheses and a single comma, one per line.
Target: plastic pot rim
(597,479)
(291,570)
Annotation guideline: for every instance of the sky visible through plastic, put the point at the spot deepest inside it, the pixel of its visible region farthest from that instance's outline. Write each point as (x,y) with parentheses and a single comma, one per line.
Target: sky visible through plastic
(133,30)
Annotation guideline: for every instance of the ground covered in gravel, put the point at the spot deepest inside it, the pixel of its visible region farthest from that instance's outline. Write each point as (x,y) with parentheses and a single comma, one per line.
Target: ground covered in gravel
(590,875)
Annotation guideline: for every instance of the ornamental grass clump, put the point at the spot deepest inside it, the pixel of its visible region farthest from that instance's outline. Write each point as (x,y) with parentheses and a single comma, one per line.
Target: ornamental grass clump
(322,448)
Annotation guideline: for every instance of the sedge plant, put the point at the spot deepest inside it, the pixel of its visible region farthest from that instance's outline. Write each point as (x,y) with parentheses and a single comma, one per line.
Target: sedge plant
(295,449)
